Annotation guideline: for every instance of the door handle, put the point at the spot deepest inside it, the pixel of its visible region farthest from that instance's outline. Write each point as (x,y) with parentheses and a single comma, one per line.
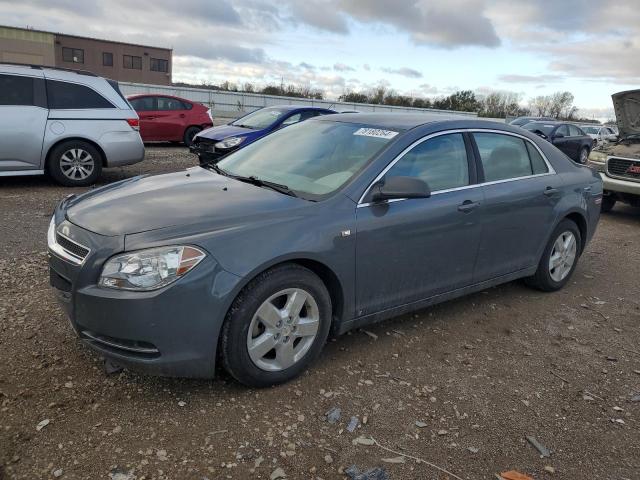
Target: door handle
(182,115)
(550,191)
(467,206)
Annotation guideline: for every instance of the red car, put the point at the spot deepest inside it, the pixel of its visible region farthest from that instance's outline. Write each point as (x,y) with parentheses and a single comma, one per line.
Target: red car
(164,118)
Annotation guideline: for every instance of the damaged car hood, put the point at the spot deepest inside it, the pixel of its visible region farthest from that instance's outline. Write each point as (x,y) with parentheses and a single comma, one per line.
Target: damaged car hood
(627,108)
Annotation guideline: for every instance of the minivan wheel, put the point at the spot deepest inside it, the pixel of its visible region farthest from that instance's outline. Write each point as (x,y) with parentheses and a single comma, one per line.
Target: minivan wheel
(276,327)
(559,259)
(189,133)
(75,163)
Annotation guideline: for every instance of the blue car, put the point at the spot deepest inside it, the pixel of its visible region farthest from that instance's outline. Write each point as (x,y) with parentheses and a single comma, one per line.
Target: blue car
(213,143)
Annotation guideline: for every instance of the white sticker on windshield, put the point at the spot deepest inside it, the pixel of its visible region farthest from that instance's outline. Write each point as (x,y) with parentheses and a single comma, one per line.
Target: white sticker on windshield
(375,132)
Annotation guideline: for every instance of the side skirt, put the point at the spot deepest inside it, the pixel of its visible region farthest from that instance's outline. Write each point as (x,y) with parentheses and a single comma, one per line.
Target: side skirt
(16,173)
(420,304)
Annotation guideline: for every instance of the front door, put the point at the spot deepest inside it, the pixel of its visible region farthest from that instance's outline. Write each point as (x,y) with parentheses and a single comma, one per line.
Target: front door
(520,192)
(23,118)
(562,140)
(412,249)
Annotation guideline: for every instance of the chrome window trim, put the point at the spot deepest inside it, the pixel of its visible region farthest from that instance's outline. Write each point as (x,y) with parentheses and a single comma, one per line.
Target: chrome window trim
(551,171)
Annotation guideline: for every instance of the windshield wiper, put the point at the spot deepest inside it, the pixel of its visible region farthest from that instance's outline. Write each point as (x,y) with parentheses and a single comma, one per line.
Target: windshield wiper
(213,166)
(243,126)
(253,180)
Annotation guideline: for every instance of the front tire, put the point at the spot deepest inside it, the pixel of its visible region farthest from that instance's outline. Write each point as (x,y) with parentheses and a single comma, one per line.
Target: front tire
(276,327)
(75,163)
(189,133)
(608,202)
(559,258)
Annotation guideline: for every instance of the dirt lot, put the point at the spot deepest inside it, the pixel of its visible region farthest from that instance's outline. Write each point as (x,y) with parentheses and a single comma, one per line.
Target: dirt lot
(460,385)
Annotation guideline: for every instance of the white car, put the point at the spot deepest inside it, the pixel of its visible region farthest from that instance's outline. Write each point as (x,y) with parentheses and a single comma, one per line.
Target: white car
(600,133)
(69,124)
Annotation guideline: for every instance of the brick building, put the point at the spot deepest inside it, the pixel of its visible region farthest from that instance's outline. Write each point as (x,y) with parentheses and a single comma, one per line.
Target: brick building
(116,60)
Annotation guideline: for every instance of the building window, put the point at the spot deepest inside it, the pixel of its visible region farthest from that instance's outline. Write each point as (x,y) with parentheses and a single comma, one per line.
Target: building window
(107,59)
(74,55)
(159,65)
(130,61)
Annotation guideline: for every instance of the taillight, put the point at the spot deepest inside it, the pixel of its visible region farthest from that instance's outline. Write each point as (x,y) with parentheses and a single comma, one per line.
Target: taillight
(134,123)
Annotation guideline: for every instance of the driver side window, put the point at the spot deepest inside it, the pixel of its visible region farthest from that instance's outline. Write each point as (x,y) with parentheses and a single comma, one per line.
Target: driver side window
(440,161)
(562,130)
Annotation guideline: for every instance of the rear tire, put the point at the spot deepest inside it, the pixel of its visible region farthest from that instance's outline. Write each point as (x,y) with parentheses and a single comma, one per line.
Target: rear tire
(550,279)
(75,163)
(583,155)
(608,203)
(189,133)
(276,327)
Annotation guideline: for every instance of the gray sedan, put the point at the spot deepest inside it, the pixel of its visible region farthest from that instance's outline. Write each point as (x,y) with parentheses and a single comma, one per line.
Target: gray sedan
(319,228)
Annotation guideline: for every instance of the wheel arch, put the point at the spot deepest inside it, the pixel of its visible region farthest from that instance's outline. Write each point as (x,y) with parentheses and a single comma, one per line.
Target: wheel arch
(326,274)
(103,156)
(579,219)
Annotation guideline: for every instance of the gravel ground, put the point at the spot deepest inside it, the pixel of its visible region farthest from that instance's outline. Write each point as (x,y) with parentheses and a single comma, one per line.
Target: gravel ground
(460,385)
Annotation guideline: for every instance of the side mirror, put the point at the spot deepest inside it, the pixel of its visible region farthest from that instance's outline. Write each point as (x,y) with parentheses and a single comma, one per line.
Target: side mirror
(558,135)
(399,187)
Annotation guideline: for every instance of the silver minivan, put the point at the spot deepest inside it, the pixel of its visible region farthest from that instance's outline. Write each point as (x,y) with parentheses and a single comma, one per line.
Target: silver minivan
(67,123)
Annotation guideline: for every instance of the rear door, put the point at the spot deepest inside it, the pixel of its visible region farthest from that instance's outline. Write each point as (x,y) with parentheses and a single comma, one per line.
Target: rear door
(520,192)
(169,119)
(23,118)
(578,140)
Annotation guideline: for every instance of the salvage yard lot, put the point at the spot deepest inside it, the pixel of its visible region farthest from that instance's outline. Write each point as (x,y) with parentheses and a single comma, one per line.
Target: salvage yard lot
(460,385)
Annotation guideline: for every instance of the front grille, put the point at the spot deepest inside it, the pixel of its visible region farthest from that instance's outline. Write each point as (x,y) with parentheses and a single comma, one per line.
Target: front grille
(205,145)
(71,247)
(624,168)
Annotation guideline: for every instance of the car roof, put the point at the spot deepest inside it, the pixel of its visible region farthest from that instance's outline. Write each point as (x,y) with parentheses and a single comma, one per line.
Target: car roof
(288,108)
(140,95)
(395,121)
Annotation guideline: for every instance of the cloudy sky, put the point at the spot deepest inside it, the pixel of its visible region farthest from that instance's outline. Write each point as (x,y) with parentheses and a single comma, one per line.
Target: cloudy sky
(417,47)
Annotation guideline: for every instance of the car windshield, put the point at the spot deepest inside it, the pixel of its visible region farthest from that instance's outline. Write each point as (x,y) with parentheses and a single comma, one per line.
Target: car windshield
(260,119)
(536,127)
(591,129)
(313,158)
(520,121)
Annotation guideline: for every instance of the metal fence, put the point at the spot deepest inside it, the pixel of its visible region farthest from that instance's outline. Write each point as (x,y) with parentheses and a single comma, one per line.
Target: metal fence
(235,104)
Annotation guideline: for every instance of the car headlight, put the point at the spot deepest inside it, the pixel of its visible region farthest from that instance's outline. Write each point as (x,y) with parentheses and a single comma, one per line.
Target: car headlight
(598,157)
(51,233)
(229,142)
(149,269)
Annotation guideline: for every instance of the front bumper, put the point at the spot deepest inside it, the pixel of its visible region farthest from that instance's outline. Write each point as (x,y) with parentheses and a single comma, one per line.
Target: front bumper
(207,152)
(619,185)
(172,331)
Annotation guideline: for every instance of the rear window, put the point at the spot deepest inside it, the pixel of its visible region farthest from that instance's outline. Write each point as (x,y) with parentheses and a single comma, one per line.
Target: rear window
(65,95)
(16,90)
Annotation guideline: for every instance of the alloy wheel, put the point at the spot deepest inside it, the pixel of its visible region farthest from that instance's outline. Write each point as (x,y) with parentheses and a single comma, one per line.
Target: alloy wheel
(584,153)
(563,256)
(283,329)
(77,164)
